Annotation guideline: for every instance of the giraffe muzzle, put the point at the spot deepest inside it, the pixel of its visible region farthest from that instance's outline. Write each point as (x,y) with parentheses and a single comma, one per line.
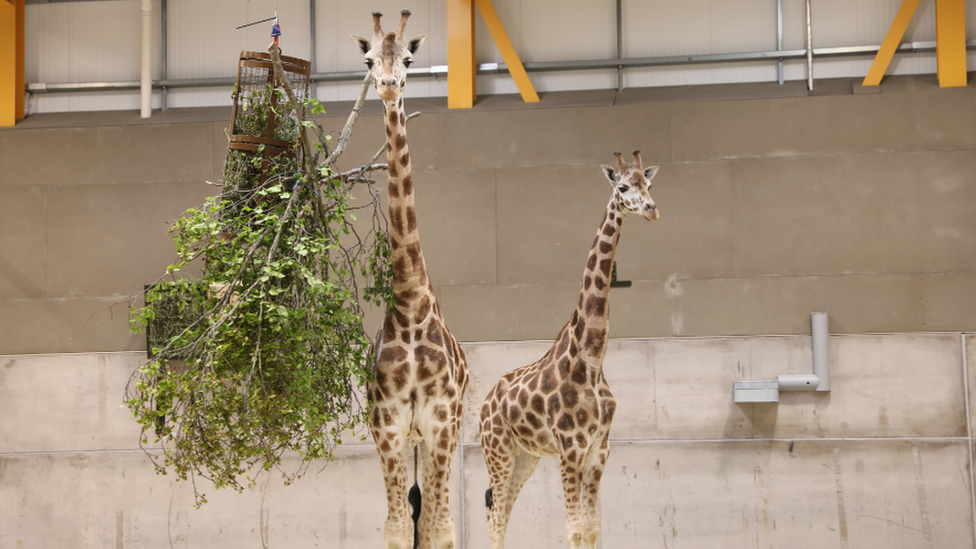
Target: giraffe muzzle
(387,92)
(651,213)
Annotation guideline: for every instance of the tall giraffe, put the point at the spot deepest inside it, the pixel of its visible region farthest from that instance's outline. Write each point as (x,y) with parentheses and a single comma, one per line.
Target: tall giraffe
(420,372)
(561,405)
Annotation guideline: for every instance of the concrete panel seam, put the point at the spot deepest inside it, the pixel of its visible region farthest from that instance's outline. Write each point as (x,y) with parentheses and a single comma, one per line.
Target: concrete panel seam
(852,274)
(47,241)
(831,440)
(713,337)
(671,133)
(497,247)
(16,356)
(102,451)
(969,429)
(463,496)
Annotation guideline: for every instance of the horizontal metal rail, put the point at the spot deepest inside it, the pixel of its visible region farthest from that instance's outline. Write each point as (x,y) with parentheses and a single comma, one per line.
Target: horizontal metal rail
(499,68)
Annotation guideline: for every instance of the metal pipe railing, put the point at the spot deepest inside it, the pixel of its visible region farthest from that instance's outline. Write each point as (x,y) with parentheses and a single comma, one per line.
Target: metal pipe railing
(162,53)
(145,69)
(500,68)
(779,39)
(620,46)
(312,38)
(809,49)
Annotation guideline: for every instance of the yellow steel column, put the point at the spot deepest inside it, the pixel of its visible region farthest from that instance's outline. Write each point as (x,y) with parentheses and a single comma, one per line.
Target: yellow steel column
(891,41)
(19,87)
(8,63)
(950,42)
(511,58)
(460,54)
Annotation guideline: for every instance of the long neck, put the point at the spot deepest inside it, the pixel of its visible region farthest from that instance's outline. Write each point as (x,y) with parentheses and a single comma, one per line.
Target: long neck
(593,311)
(410,282)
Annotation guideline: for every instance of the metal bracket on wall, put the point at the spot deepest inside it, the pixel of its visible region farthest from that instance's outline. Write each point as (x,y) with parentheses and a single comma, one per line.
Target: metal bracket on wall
(614,283)
(819,380)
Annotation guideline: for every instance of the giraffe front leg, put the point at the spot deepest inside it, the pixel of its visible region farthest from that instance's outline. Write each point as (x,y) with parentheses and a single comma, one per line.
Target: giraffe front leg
(593,468)
(392,447)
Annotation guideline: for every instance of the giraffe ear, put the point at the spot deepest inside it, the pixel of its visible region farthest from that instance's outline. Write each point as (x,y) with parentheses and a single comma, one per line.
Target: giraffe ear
(609,173)
(651,171)
(416,42)
(361,43)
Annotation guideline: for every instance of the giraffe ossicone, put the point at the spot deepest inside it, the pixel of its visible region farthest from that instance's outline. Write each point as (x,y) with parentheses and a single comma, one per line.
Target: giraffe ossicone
(419,370)
(561,406)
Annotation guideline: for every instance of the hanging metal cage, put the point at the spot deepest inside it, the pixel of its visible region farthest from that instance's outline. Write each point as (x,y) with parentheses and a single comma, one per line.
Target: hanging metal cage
(259,125)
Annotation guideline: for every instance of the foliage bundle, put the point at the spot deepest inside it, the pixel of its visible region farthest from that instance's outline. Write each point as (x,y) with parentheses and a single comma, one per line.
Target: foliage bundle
(272,350)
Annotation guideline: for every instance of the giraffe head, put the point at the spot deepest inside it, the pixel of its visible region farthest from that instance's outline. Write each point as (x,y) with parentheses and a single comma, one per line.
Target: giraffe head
(632,186)
(388,55)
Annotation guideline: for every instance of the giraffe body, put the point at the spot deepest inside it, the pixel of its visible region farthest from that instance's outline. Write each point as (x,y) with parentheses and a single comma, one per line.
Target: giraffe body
(420,372)
(561,406)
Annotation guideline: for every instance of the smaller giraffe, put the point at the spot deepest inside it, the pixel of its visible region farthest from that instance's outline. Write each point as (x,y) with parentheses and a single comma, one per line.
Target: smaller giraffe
(561,405)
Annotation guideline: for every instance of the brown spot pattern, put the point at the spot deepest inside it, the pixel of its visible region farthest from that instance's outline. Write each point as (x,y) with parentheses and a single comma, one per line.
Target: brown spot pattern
(596,305)
(412,220)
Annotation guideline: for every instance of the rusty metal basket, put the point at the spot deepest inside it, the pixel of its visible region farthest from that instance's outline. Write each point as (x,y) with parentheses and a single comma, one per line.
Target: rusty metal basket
(257,122)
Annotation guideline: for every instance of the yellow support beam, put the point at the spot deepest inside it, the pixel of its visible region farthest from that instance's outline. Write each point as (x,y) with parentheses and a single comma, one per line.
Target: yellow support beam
(950,45)
(19,86)
(11,62)
(890,44)
(505,47)
(950,40)
(460,54)
(462,69)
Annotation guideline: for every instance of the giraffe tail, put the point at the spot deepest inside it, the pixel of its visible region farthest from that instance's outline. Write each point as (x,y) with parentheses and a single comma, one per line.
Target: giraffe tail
(488,501)
(415,499)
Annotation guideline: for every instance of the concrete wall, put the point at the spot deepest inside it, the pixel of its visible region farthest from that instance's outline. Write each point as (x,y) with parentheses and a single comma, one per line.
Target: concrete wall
(883,460)
(775,203)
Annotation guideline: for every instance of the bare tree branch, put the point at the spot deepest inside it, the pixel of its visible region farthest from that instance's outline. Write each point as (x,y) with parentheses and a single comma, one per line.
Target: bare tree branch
(346,134)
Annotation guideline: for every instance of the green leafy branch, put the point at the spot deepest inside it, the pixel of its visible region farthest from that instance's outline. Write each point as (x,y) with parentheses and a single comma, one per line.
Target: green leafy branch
(270,353)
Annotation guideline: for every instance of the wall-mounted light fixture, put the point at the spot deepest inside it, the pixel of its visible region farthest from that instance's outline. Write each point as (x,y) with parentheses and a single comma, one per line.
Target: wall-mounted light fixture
(819,380)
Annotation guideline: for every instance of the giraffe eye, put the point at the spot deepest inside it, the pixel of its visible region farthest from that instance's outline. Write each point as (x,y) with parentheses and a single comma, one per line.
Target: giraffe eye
(407,62)
(623,188)
(369,63)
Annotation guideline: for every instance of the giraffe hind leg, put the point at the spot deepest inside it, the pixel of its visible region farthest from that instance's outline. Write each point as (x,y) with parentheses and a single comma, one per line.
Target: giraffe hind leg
(436,526)
(524,467)
(393,459)
(499,461)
